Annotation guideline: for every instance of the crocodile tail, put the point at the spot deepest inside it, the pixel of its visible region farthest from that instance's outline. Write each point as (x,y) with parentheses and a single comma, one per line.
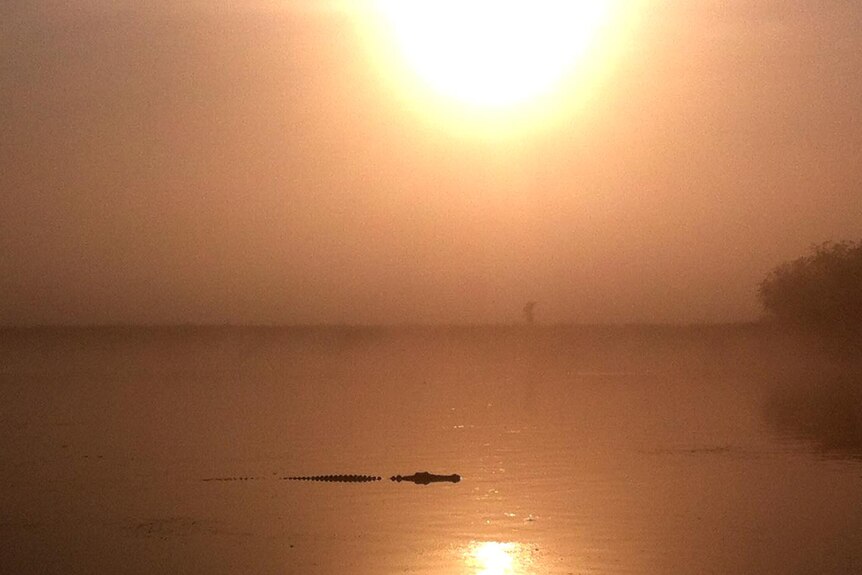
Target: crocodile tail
(335,478)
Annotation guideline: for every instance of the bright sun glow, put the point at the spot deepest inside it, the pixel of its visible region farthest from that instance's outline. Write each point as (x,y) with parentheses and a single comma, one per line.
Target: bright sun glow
(494,558)
(494,54)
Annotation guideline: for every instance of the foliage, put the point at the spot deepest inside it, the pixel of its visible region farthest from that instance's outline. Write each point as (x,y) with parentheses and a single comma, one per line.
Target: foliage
(821,291)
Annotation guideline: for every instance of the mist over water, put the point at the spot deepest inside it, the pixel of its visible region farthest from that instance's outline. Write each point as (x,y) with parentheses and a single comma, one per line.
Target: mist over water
(580,449)
(281,162)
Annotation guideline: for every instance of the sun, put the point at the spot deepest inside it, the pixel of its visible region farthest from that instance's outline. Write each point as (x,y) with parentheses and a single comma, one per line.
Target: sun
(493,54)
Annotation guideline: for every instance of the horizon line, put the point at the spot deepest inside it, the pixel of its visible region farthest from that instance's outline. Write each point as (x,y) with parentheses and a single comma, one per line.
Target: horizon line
(403,325)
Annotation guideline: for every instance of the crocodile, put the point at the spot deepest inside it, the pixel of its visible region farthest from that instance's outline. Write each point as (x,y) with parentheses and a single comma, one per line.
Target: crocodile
(419,478)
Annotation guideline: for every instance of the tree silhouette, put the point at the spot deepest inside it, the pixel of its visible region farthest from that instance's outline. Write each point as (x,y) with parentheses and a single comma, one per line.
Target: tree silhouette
(820,291)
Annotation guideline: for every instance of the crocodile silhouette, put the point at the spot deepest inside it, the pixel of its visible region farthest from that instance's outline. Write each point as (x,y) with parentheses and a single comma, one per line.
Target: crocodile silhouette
(419,478)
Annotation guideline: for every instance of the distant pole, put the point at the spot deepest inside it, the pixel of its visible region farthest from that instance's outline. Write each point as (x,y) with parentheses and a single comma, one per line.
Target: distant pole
(529,313)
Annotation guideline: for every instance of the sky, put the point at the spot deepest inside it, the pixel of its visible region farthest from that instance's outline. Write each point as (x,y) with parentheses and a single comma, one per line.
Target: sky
(196,162)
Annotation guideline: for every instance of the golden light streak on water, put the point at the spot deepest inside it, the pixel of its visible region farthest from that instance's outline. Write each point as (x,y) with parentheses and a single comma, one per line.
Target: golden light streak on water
(496,558)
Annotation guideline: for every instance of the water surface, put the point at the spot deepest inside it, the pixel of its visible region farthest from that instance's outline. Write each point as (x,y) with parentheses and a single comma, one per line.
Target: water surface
(581,450)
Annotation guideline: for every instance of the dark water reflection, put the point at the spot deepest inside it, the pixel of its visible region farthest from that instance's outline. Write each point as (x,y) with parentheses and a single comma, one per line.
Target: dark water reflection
(580,451)
(821,406)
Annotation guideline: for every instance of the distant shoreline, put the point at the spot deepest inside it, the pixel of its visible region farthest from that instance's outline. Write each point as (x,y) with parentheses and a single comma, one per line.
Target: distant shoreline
(396,327)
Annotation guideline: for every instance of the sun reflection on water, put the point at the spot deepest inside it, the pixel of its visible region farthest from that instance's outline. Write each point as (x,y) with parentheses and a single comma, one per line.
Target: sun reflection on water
(496,558)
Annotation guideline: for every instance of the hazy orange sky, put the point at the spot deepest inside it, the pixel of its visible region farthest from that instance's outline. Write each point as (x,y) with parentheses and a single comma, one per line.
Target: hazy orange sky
(219,164)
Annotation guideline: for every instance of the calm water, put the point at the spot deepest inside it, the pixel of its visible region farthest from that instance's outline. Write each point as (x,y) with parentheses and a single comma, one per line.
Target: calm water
(589,450)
